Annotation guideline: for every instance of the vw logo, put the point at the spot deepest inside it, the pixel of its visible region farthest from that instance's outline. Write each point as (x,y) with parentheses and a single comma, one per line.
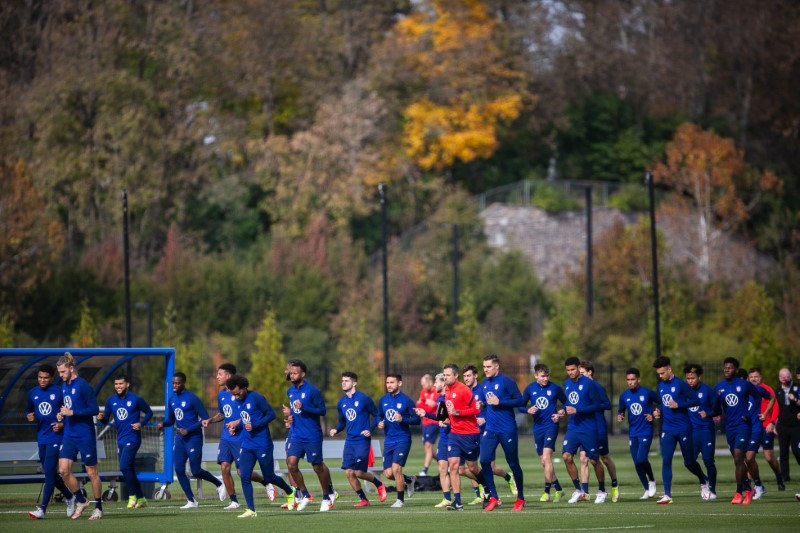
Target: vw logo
(179,414)
(489,394)
(295,410)
(694,409)
(391,415)
(245,417)
(122,413)
(45,408)
(731,400)
(227,411)
(542,403)
(666,399)
(636,409)
(68,402)
(350,414)
(574,398)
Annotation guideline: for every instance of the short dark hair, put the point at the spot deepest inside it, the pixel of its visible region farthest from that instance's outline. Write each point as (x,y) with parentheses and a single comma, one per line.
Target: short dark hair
(237,381)
(661,362)
(741,373)
(540,367)
(299,364)
(47,369)
(492,357)
(180,375)
(572,361)
(731,361)
(588,366)
(451,366)
(230,368)
(398,377)
(351,375)
(693,368)
(634,371)
(123,377)
(754,369)
(469,367)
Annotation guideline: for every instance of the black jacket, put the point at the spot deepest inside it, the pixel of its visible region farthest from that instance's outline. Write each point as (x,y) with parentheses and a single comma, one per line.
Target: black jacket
(789,407)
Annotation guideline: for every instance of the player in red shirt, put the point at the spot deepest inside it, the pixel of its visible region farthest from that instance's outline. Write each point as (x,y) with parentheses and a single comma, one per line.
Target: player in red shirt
(430,427)
(768,416)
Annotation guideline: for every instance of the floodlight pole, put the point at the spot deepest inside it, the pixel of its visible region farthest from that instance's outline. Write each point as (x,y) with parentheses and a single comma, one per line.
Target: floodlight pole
(587,189)
(125,248)
(455,278)
(384,246)
(654,255)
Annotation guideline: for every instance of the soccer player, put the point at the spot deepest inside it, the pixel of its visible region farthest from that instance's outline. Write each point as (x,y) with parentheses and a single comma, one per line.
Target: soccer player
(756,436)
(638,402)
(126,408)
(359,414)
(397,415)
(186,412)
(676,397)
(737,398)
(768,416)
(704,433)
(44,402)
(543,396)
(444,433)
(587,369)
(464,439)
(501,398)
(77,412)
(231,436)
(470,374)
(584,399)
(306,406)
(430,427)
(255,414)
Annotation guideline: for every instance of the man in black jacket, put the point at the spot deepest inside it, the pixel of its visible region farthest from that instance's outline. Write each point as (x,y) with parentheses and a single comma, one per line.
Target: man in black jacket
(788,425)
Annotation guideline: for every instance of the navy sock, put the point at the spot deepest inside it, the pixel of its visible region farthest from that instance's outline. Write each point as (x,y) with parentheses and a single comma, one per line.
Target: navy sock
(361,494)
(557,485)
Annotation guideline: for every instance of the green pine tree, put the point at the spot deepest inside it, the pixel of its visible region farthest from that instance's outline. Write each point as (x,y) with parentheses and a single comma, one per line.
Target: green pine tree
(268,363)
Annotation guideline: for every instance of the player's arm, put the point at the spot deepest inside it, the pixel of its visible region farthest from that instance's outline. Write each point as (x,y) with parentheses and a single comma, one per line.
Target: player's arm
(374,413)
(218,417)
(263,405)
(410,417)
(30,409)
(105,416)
(168,417)
(202,414)
(514,397)
(471,408)
(621,408)
(89,399)
(144,407)
(688,398)
(340,424)
(316,405)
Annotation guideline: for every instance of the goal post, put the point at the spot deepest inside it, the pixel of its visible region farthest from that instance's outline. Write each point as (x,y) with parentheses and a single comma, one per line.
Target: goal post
(150,371)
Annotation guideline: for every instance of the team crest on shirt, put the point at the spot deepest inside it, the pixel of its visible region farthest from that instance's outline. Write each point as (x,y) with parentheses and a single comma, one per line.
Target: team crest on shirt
(356,403)
(399,405)
(129,403)
(738,389)
(73,391)
(303,396)
(183,404)
(672,389)
(454,395)
(52,396)
(699,394)
(496,386)
(248,405)
(548,393)
(580,387)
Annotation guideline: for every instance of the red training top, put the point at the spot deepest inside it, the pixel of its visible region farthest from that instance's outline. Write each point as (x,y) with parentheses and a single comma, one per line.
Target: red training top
(773,414)
(459,399)
(424,397)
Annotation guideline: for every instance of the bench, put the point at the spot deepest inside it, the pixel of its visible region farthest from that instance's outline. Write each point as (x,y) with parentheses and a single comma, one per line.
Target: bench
(332,451)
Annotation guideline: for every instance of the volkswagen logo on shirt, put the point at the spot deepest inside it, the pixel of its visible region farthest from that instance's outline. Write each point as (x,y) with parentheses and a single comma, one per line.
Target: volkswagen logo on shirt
(694,409)
(391,415)
(178,414)
(68,402)
(45,408)
(245,417)
(666,399)
(731,400)
(542,403)
(350,414)
(574,398)
(636,409)
(227,411)
(121,413)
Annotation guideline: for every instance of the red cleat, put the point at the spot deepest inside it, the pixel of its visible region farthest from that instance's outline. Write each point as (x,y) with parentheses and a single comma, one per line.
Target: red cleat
(492,503)
(518,505)
(362,503)
(382,493)
(748,497)
(737,498)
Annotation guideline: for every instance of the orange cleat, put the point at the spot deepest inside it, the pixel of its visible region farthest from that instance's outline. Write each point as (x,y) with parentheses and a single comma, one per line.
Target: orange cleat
(737,498)
(362,503)
(382,493)
(748,497)
(491,504)
(518,505)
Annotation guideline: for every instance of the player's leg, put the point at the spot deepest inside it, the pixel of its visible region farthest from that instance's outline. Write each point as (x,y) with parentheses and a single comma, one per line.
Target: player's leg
(227,454)
(179,457)
(455,477)
(488,446)
(127,459)
(510,444)
(634,444)
(768,444)
(668,445)
(246,463)
(195,453)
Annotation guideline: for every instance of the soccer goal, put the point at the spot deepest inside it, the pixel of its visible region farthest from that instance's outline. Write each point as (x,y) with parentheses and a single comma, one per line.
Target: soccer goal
(150,371)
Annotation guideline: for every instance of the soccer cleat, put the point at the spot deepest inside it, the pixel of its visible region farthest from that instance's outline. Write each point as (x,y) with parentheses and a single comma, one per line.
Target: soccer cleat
(362,503)
(223,492)
(443,503)
(651,489)
(512,485)
(545,497)
(748,497)
(557,496)
(737,499)
(665,500)
(325,506)
(422,473)
(290,504)
(797,496)
(601,497)
(141,503)
(192,504)
(410,487)
(458,507)
(576,496)
(70,505)
(615,494)
(645,496)
(79,508)
(704,490)
(518,505)
(398,504)
(381,493)
(303,503)
(333,497)
(248,514)
(270,491)
(97,514)
(38,514)
(231,506)
(491,504)
(712,496)
(131,502)
(584,497)
(481,491)
(781,486)
(476,501)
(759,492)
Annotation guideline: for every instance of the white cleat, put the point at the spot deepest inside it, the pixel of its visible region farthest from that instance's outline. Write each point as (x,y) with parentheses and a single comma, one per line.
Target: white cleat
(645,496)
(223,492)
(576,496)
(192,504)
(326,506)
(712,496)
(759,492)
(270,492)
(79,508)
(398,504)
(70,506)
(97,514)
(232,505)
(303,503)
(601,497)
(704,491)
(651,489)
(38,514)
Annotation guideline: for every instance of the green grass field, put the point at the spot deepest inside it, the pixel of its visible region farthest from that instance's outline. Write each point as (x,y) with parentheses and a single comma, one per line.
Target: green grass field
(688,512)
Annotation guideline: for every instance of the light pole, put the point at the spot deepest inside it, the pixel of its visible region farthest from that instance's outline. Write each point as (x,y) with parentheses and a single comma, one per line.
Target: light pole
(127,268)
(455,278)
(654,255)
(384,246)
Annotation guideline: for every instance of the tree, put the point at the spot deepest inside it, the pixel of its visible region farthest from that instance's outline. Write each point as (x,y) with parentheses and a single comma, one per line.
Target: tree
(6,331)
(354,349)
(562,331)
(267,362)
(755,320)
(468,331)
(87,335)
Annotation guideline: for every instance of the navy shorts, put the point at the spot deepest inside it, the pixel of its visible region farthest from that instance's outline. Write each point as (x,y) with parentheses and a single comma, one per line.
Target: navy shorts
(583,440)
(467,447)
(768,442)
(756,438)
(429,433)
(545,438)
(228,452)
(738,438)
(312,451)
(396,453)
(86,447)
(356,455)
